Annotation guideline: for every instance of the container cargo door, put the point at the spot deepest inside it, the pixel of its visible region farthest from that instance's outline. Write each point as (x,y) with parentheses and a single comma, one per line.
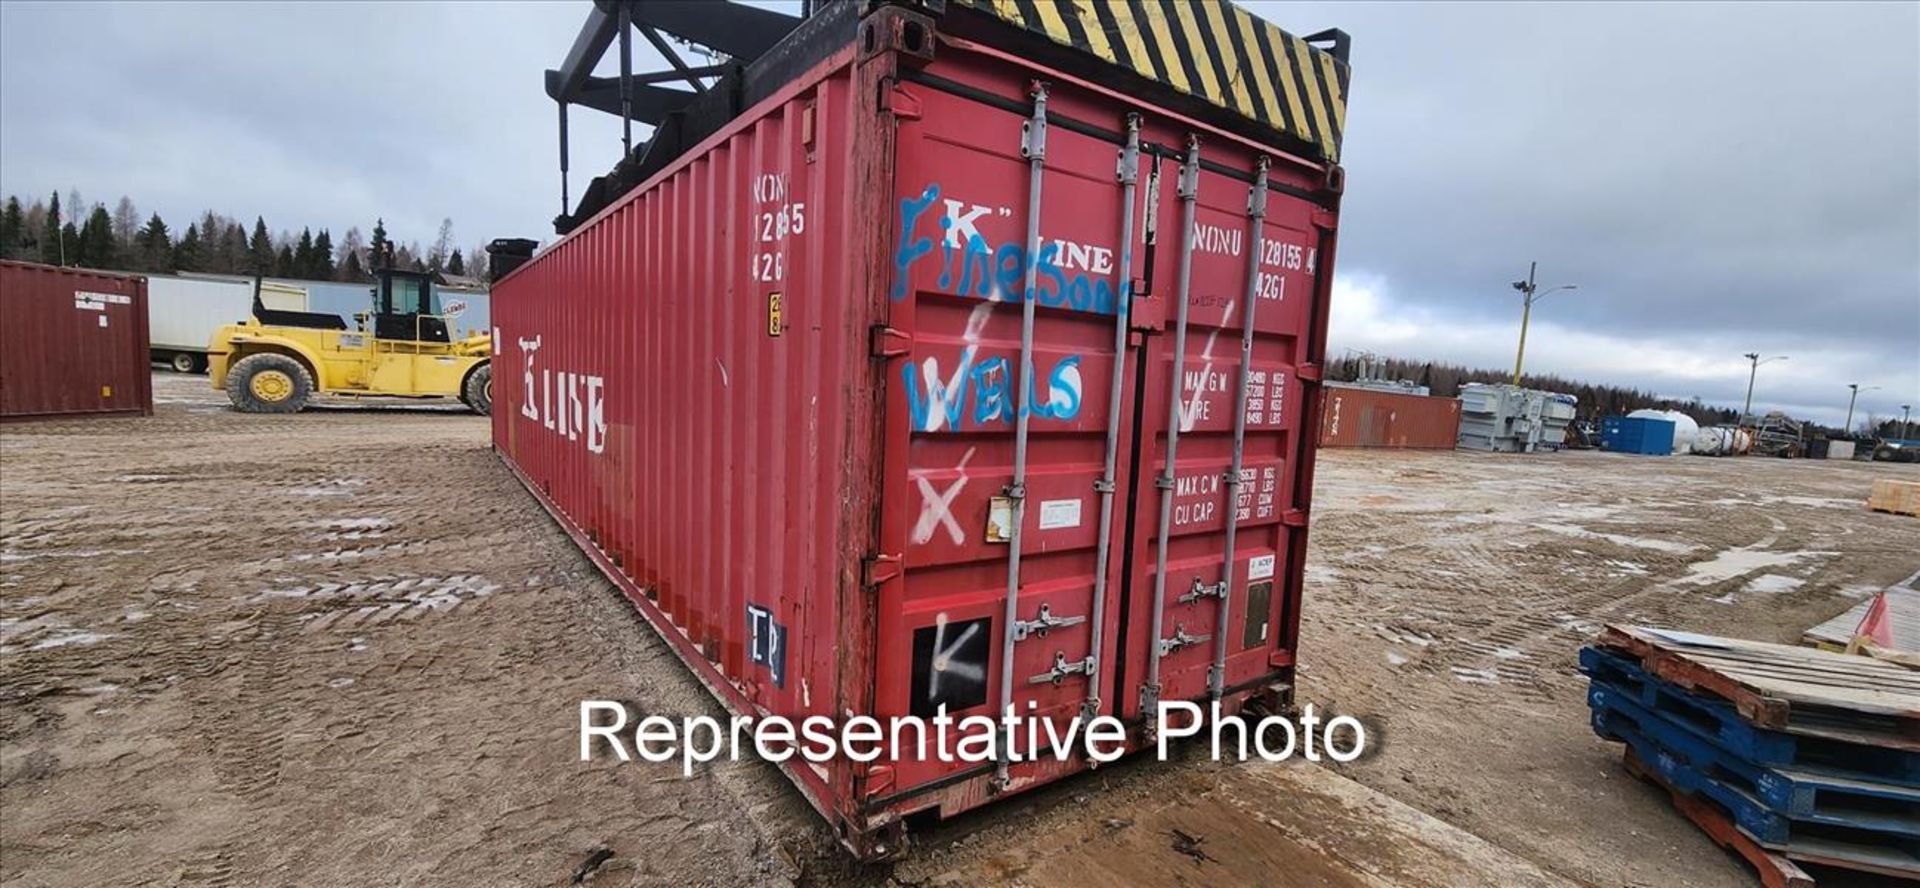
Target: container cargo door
(954,341)
(1217,553)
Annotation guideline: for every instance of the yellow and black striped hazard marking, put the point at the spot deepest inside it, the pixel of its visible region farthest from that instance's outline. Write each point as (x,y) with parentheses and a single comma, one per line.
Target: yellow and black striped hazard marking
(1211,49)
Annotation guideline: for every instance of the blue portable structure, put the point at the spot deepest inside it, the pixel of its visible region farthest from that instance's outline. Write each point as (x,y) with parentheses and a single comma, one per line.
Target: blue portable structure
(1637,434)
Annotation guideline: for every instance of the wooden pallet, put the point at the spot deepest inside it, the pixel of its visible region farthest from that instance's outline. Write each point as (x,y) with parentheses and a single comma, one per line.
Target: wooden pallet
(1898,497)
(1717,721)
(1903,614)
(1793,689)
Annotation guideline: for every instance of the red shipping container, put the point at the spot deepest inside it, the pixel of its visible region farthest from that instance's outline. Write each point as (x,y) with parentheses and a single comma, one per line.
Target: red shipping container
(1364,417)
(72,342)
(777,393)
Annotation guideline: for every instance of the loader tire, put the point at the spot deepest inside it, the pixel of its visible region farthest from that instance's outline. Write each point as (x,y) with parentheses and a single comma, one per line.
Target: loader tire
(268,383)
(478,392)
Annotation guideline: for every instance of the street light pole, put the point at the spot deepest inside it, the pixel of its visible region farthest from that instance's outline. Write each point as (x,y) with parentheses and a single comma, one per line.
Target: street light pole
(1905,411)
(1529,296)
(1746,415)
(1848,428)
(1526,313)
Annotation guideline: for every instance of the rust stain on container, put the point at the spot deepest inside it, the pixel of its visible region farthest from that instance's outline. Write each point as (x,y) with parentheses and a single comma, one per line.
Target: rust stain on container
(1363,417)
(776,392)
(73,342)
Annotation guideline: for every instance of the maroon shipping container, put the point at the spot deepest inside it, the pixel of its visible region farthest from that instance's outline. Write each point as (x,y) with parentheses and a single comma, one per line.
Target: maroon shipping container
(72,342)
(1364,417)
(777,393)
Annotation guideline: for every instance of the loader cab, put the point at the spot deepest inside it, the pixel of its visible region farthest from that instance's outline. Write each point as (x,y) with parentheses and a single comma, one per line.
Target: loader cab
(407,308)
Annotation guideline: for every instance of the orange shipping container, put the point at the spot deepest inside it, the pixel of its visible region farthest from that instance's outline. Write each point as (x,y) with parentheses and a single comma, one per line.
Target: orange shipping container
(1363,417)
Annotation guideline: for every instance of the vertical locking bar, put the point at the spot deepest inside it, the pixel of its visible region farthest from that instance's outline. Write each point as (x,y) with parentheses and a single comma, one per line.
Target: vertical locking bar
(1256,227)
(1129,175)
(1189,191)
(1036,151)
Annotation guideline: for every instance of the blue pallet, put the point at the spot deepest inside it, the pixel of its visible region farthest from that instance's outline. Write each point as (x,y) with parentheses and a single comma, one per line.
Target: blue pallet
(1718,720)
(1807,796)
(1888,853)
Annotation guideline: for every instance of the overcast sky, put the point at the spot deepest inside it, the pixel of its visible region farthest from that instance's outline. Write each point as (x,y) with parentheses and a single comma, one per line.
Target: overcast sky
(1716,178)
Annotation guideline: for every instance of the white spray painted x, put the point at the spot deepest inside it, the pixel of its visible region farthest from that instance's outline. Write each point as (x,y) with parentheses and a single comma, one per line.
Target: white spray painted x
(936,507)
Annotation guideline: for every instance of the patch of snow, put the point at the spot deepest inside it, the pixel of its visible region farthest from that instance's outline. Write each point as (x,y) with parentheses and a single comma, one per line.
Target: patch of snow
(1669,546)
(1774,584)
(79,637)
(1475,676)
(1730,563)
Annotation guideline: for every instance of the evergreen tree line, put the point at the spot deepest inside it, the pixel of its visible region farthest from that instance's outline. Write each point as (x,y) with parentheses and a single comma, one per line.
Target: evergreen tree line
(117,240)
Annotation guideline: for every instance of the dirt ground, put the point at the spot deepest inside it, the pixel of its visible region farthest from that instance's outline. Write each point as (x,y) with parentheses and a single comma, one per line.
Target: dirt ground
(344,647)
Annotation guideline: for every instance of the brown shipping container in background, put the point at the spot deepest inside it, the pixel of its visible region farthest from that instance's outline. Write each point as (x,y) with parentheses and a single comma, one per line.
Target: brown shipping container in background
(72,342)
(1361,417)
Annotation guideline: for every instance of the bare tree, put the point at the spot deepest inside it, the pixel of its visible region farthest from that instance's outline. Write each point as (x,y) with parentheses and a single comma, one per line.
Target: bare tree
(353,246)
(437,259)
(126,222)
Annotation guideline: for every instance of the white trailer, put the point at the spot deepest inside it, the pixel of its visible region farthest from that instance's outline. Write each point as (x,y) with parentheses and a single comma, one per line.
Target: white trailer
(183,312)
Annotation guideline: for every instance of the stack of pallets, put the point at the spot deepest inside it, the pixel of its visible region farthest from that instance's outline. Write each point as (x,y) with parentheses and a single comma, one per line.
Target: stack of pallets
(1779,753)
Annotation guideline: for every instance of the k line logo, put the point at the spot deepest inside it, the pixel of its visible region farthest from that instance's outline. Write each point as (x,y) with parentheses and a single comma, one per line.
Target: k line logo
(571,405)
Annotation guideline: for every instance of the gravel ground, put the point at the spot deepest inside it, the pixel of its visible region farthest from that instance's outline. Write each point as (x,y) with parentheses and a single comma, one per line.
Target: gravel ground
(343,647)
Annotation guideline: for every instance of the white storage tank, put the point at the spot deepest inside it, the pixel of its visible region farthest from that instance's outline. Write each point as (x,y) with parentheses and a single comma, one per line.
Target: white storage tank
(1714,441)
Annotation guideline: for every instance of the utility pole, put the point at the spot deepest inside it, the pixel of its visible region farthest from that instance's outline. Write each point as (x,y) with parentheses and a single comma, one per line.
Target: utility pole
(1746,415)
(1905,411)
(1528,295)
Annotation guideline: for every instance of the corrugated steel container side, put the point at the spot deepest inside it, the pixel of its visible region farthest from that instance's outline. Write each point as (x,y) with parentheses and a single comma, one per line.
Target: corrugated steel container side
(700,420)
(773,393)
(73,342)
(1646,436)
(1361,417)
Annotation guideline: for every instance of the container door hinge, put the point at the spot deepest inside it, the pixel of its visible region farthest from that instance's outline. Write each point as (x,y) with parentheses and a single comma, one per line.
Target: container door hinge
(1042,623)
(885,342)
(878,569)
(903,104)
(1308,372)
(1061,669)
(879,781)
(1149,703)
(1294,518)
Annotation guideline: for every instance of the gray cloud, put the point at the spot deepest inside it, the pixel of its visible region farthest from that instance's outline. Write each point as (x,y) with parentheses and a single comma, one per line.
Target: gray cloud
(316,114)
(1718,178)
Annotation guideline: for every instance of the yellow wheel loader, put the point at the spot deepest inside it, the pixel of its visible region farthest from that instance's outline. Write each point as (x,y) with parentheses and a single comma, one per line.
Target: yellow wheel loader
(275,361)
